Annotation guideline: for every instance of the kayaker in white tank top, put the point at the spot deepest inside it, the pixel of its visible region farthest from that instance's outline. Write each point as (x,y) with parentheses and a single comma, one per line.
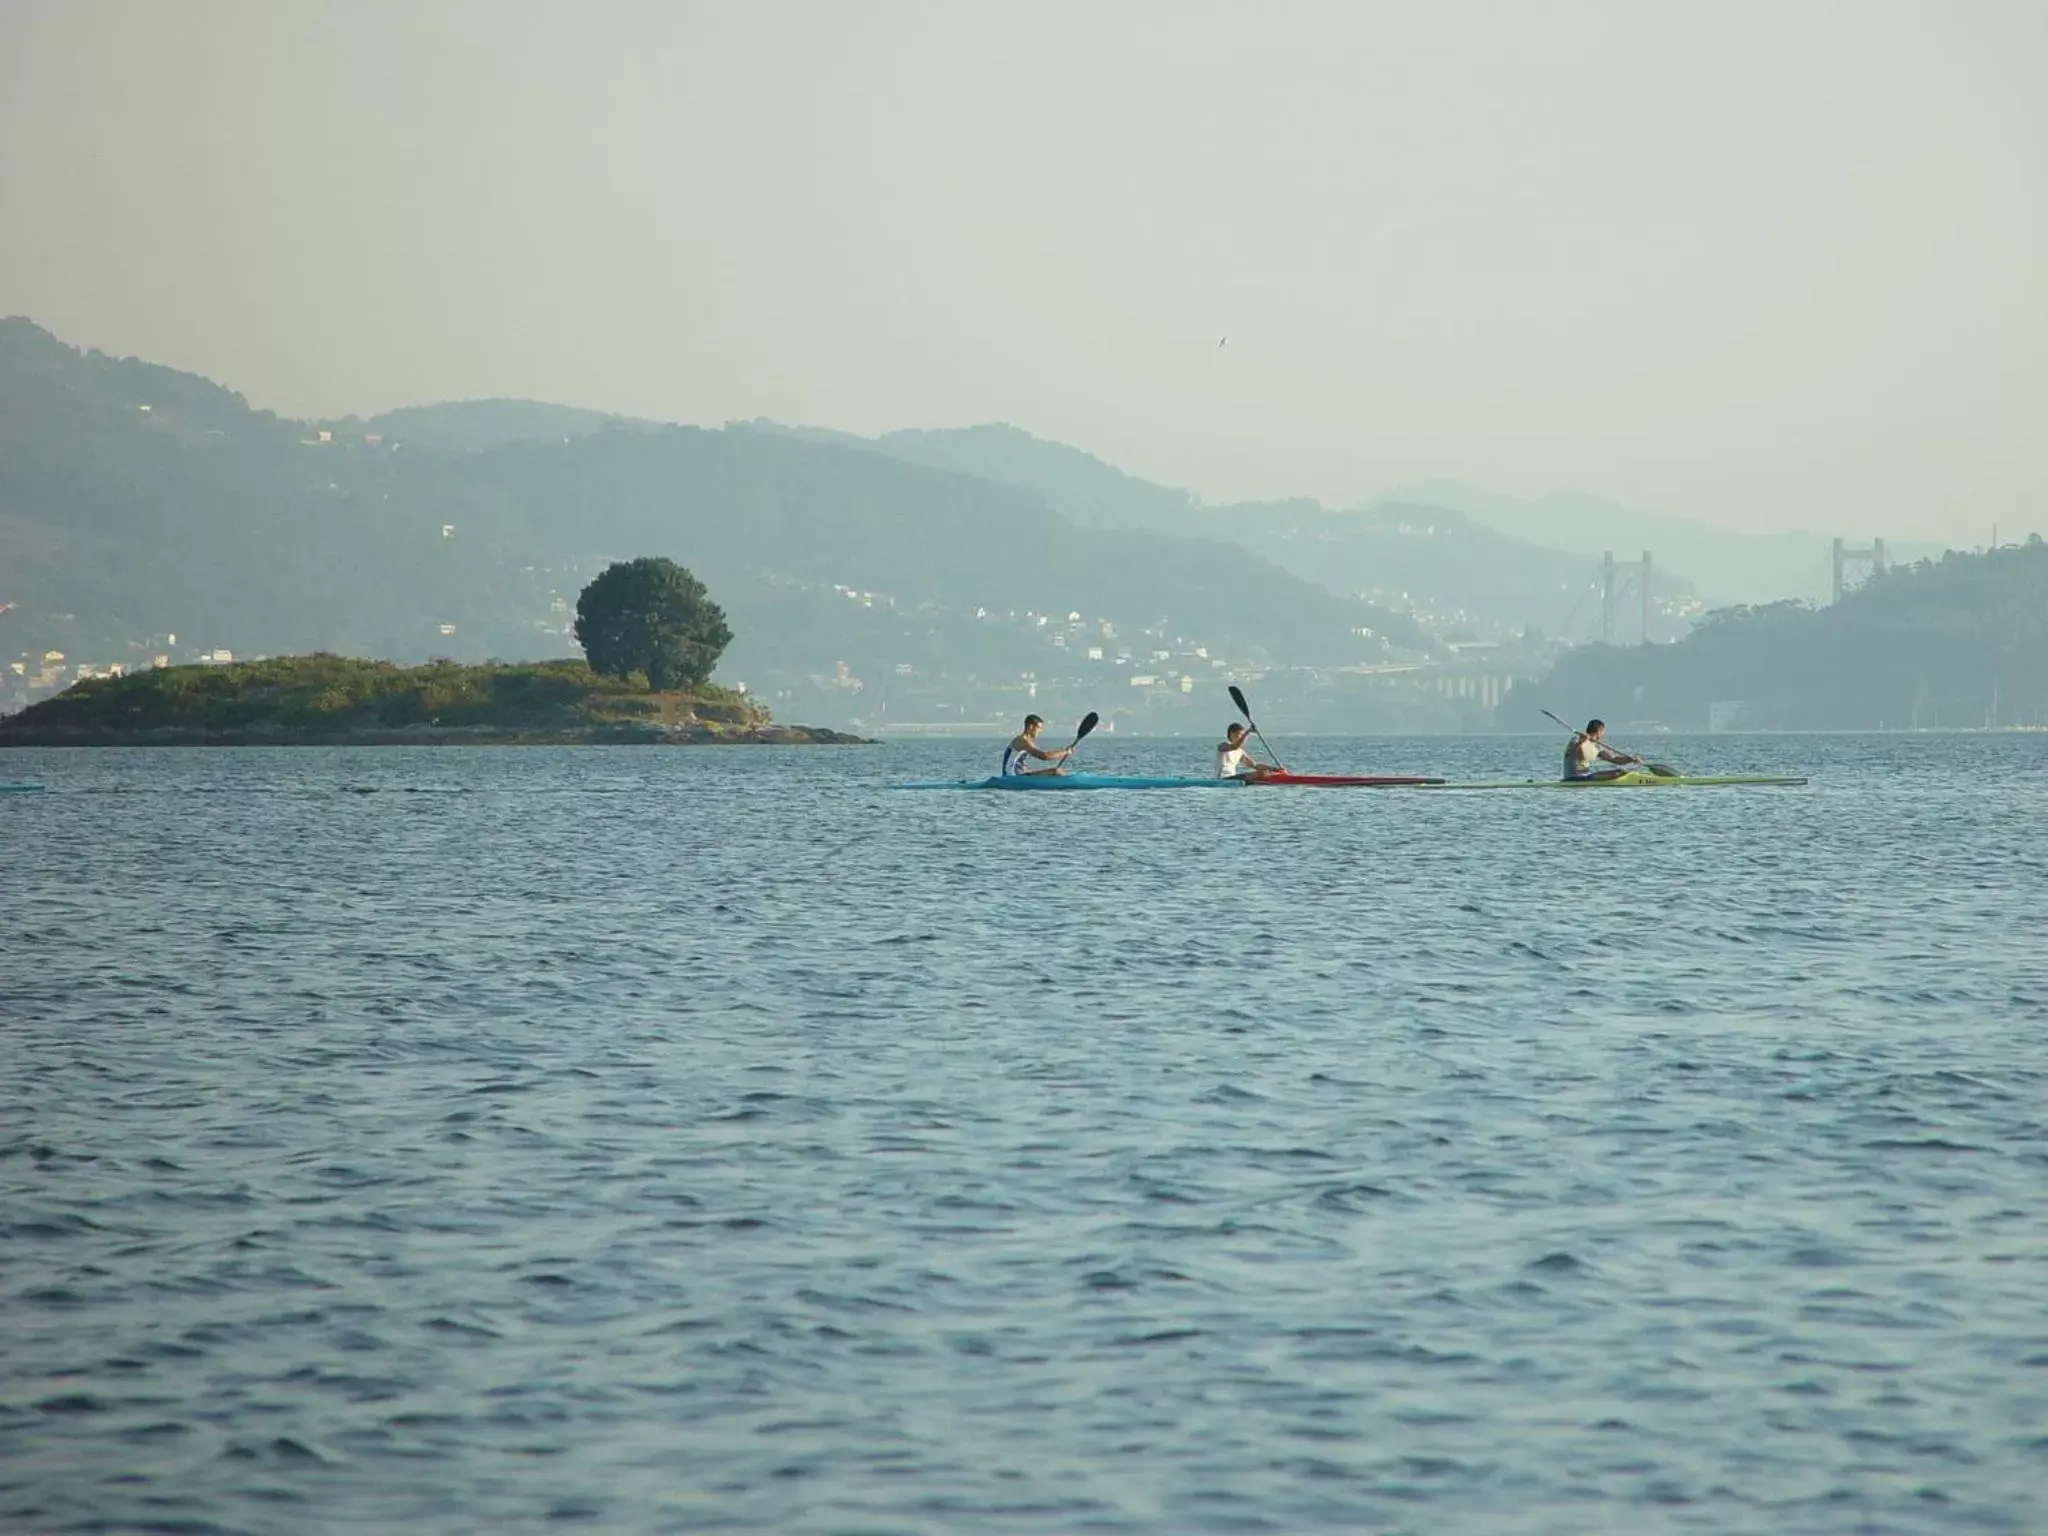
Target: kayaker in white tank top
(1024,747)
(1233,761)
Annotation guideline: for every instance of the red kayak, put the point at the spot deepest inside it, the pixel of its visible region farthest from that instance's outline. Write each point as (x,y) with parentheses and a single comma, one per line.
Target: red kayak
(1343,780)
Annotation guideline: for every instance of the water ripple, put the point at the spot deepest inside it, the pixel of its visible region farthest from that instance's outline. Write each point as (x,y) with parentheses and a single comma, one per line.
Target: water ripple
(696,1141)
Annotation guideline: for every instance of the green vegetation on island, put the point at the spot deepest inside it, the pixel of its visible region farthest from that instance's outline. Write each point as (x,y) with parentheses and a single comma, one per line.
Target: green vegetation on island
(653,617)
(1961,642)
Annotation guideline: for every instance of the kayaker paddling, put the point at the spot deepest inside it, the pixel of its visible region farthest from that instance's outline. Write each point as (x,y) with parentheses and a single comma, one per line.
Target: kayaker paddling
(1024,747)
(1587,748)
(1233,761)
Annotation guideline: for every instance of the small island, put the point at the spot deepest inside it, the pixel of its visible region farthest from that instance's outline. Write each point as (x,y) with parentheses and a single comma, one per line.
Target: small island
(327,701)
(650,632)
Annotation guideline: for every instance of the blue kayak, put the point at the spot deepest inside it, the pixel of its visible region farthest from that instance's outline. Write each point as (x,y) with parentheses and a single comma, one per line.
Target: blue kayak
(1075,781)
(19,789)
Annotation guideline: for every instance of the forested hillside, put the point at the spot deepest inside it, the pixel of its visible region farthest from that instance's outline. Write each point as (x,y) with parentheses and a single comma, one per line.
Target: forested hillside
(1962,641)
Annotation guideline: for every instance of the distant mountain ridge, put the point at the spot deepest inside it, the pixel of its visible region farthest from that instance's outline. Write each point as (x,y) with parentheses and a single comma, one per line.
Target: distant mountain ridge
(136,501)
(1690,559)
(1455,572)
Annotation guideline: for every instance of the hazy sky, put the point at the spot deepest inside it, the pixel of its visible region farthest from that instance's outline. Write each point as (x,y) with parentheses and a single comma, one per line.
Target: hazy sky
(1767,264)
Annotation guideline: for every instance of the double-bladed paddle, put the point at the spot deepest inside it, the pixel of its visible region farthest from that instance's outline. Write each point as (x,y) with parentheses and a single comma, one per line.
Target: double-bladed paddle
(1237,698)
(1661,770)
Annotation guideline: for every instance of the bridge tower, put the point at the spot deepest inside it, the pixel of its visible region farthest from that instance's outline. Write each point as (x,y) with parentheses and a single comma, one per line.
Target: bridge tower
(1636,570)
(1845,556)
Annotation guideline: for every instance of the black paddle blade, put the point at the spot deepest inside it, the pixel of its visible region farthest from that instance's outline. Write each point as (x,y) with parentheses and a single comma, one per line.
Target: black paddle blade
(1663,771)
(1237,698)
(1088,723)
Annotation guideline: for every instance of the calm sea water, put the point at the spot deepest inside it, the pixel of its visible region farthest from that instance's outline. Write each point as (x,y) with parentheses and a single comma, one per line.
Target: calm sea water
(712,1140)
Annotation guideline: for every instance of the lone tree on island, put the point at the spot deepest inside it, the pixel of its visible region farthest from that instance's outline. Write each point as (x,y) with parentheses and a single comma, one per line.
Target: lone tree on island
(650,615)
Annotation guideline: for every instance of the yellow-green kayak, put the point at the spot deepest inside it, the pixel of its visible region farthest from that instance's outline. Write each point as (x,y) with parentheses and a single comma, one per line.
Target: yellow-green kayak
(1626,781)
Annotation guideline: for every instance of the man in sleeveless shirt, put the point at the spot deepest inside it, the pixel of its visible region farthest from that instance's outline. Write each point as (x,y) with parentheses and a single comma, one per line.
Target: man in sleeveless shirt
(1233,761)
(1587,748)
(1024,746)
